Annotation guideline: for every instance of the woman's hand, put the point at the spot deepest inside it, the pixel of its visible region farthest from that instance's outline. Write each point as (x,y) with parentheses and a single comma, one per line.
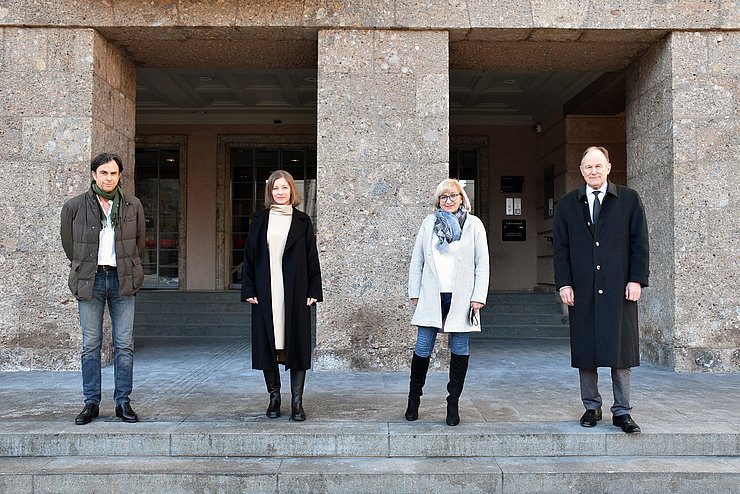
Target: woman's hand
(310,301)
(252,300)
(414,301)
(476,306)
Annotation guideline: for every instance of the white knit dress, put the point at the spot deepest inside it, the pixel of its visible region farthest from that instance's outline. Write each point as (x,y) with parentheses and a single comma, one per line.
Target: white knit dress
(277,233)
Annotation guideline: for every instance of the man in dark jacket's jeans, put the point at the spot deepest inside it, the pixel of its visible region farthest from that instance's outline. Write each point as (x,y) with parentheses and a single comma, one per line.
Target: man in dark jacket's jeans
(103,233)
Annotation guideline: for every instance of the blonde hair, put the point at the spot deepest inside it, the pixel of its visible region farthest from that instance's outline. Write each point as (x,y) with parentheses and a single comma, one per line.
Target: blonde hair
(295,197)
(452,185)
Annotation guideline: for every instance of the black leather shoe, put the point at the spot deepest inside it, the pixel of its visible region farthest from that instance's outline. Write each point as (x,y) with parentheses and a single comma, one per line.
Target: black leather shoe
(626,423)
(88,413)
(126,413)
(590,418)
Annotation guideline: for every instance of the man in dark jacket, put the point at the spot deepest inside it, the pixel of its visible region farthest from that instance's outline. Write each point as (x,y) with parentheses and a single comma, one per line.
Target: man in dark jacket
(103,233)
(601,264)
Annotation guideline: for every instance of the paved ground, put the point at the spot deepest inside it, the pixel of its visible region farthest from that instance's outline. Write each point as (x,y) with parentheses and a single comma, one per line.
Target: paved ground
(510,381)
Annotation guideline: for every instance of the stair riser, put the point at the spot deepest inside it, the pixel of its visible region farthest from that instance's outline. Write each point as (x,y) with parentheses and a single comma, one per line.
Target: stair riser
(193,308)
(522,319)
(522,332)
(372,475)
(513,308)
(226,330)
(213,318)
(366,445)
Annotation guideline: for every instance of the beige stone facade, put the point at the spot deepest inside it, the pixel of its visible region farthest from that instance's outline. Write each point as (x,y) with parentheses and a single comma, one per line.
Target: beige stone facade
(384,124)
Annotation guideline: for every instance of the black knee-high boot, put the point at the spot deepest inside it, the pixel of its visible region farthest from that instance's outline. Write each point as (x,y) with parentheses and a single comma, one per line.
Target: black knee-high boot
(458,370)
(419,368)
(297,380)
(272,380)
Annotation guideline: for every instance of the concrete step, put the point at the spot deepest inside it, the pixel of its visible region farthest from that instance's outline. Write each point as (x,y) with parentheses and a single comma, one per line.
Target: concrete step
(501,319)
(188,296)
(221,329)
(192,307)
(492,330)
(207,316)
(185,313)
(259,437)
(523,308)
(502,475)
(523,315)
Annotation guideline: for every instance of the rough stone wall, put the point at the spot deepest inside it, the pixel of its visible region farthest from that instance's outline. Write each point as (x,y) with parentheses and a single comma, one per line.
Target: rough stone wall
(683,135)
(383,138)
(50,79)
(414,14)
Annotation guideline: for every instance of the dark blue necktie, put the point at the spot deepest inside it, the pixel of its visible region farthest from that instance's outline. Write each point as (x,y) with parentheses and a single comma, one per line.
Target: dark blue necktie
(597,205)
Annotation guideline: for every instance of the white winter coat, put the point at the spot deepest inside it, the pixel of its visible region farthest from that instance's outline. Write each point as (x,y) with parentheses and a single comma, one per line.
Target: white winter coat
(471,277)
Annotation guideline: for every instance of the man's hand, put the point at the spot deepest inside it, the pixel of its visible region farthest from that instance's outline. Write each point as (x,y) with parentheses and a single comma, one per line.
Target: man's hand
(566,295)
(633,291)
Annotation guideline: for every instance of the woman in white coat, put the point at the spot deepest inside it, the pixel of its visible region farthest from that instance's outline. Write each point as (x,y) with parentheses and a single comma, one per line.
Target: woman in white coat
(448,283)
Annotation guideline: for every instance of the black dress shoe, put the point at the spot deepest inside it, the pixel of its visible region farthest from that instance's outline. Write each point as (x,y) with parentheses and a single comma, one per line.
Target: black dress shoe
(590,418)
(626,423)
(126,414)
(88,413)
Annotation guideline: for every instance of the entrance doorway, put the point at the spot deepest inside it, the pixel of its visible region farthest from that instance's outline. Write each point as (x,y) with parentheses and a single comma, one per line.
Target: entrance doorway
(157,178)
(250,168)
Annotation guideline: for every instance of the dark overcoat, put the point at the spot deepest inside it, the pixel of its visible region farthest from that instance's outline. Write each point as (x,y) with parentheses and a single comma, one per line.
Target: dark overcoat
(301,279)
(598,262)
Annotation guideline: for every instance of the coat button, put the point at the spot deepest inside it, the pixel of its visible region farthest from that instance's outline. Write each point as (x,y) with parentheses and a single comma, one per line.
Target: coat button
(598,267)
(601,292)
(597,244)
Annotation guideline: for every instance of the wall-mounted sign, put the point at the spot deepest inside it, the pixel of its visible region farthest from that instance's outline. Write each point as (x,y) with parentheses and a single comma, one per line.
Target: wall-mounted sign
(514,230)
(513,184)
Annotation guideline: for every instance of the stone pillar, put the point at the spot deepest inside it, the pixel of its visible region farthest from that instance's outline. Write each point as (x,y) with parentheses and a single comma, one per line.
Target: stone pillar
(683,135)
(66,95)
(383,139)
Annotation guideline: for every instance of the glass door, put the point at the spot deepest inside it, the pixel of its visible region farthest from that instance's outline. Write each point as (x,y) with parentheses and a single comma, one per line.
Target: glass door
(158,187)
(250,169)
(464,167)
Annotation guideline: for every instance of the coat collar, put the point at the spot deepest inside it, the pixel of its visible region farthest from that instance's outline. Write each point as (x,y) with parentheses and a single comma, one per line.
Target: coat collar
(611,190)
(297,227)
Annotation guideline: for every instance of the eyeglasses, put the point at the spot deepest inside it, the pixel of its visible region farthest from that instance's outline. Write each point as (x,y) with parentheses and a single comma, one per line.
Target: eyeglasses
(451,197)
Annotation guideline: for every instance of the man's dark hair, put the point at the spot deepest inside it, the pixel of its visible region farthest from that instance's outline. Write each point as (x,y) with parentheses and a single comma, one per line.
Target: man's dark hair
(104,158)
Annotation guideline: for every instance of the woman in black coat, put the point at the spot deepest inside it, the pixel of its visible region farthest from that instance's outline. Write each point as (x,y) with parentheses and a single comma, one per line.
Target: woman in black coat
(281,278)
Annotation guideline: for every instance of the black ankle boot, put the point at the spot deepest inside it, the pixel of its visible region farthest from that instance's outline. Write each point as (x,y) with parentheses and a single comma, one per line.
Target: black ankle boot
(458,370)
(272,380)
(419,368)
(297,380)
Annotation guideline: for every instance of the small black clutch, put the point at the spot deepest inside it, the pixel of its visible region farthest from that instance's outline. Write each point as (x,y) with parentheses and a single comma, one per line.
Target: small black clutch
(473,316)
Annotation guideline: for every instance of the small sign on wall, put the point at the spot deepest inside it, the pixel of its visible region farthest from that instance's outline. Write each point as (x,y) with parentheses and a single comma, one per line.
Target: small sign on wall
(514,230)
(512,184)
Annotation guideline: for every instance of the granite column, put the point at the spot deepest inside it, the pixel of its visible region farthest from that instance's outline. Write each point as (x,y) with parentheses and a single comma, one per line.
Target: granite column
(383,139)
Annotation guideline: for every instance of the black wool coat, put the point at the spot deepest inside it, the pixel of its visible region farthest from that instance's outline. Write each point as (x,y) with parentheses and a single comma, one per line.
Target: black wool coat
(598,262)
(301,279)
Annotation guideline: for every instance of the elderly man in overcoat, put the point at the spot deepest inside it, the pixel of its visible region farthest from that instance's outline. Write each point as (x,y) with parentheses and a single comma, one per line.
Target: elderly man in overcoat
(601,264)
